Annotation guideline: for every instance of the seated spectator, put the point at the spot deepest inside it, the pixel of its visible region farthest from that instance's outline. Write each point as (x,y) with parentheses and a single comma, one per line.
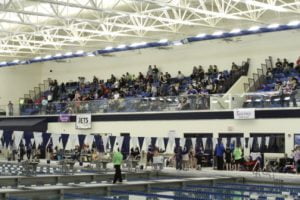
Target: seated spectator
(269,75)
(184,104)
(285,164)
(191,90)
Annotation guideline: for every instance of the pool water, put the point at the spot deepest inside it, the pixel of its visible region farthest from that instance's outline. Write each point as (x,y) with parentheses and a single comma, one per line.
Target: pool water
(218,191)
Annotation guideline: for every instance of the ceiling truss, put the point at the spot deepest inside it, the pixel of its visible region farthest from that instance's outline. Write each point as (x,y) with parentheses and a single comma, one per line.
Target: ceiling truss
(31,28)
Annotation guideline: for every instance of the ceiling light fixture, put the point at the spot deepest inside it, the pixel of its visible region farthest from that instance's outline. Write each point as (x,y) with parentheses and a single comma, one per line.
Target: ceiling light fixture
(48,56)
(218,33)
(235,31)
(108,48)
(121,46)
(201,35)
(254,28)
(177,43)
(294,23)
(68,53)
(163,41)
(37,58)
(273,26)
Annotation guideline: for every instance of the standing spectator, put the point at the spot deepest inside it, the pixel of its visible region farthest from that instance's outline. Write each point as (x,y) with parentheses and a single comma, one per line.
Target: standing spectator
(297,159)
(178,157)
(279,66)
(10,108)
(180,77)
(185,158)
(228,158)
(117,160)
(155,73)
(219,152)
(199,156)
(237,154)
(28,151)
(22,151)
(150,155)
(14,152)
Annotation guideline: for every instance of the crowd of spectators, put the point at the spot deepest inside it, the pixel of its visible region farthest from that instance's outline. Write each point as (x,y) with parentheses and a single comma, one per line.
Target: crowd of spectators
(153,83)
(283,80)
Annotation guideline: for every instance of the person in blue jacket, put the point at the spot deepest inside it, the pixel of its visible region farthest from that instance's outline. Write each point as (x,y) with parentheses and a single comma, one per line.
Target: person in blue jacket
(219,153)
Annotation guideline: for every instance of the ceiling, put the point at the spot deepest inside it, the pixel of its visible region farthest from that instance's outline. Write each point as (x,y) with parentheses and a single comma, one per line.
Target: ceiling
(30,28)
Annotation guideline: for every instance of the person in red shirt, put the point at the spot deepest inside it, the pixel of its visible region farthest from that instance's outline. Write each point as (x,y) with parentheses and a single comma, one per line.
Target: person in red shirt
(298,61)
(297,68)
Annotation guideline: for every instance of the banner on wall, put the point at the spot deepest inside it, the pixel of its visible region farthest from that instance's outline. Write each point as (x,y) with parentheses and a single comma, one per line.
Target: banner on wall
(248,113)
(84,121)
(64,118)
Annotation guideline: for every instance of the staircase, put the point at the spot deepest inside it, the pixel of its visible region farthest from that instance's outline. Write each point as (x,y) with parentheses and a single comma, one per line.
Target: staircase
(259,77)
(36,92)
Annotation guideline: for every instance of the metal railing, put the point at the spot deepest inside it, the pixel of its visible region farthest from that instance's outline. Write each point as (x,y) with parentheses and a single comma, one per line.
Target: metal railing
(198,102)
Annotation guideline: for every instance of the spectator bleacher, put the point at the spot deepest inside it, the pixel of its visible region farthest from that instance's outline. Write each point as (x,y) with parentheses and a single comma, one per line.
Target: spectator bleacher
(133,93)
(280,87)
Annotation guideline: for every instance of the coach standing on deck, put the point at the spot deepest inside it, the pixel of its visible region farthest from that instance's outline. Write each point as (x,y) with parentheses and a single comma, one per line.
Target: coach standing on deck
(117,160)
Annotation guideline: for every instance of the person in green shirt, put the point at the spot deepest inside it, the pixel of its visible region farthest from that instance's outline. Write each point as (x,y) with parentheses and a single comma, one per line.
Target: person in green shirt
(117,161)
(237,154)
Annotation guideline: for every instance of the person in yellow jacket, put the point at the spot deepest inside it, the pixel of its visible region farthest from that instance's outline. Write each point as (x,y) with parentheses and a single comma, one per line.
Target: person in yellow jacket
(117,161)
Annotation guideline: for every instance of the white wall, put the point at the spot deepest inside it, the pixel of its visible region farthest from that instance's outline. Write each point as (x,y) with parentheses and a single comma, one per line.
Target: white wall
(219,52)
(161,128)
(17,81)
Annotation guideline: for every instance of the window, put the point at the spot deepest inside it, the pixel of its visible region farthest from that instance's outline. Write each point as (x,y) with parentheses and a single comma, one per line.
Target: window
(296,139)
(267,142)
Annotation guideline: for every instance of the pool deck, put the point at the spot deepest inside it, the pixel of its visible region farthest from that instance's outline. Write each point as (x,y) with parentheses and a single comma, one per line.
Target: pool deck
(101,183)
(274,178)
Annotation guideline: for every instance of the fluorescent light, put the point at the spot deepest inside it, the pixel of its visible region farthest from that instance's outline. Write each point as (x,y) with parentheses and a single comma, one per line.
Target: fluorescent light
(273,26)
(90,54)
(201,35)
(79,52)
(217,33)
(15,61)
(163,41)
(68,53)
(58,55)
(177,43)
(138,44)
(121,46)
(37,58)
(3,63)
(23,62)
(254,28)
(236,30)
(48,56)
(108,48)
(293,23)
